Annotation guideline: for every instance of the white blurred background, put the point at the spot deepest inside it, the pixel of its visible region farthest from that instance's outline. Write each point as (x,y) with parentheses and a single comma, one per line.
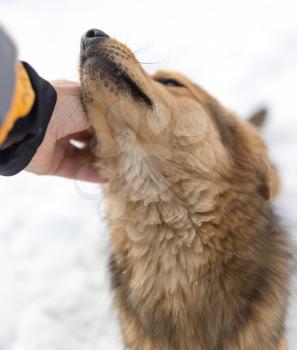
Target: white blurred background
(54,288)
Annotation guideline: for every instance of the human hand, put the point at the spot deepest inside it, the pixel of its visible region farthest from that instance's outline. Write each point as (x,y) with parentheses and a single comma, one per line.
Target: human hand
(56,155)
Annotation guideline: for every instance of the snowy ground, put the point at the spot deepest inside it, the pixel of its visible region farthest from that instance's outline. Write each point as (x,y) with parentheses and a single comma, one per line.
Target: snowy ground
(54,289)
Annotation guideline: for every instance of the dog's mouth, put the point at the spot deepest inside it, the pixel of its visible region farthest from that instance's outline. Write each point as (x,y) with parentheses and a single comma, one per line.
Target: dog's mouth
(108,62)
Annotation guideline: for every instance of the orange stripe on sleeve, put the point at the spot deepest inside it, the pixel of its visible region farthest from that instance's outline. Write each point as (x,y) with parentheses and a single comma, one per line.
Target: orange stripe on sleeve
(22,101)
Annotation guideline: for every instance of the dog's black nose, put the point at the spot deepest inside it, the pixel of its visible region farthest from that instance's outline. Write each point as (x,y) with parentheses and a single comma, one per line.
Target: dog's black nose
(92,35)
(95,33)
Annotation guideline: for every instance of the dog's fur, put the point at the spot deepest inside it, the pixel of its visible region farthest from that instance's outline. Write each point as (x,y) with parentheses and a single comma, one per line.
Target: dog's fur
(199,259)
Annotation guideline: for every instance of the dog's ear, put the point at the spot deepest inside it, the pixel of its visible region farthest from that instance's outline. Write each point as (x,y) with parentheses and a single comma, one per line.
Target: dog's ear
(234,134)
(258,119)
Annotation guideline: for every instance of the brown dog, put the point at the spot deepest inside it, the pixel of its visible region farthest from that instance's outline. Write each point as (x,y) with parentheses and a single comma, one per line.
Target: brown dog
(199,260)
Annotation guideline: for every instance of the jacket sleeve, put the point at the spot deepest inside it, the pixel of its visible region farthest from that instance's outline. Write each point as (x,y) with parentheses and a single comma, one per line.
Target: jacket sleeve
(26,104)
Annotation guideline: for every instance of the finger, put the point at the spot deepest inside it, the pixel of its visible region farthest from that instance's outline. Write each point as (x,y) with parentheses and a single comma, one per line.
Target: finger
(72,169)
(90,174)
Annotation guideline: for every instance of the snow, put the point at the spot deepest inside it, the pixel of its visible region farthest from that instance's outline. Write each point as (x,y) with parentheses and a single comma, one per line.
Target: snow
(54,285)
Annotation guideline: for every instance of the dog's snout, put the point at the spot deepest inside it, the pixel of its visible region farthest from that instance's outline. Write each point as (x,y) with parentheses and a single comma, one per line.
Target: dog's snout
(95,33)
(91,35)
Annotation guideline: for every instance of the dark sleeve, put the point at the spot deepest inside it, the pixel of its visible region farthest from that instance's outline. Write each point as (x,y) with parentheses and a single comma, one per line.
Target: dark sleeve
(30,129)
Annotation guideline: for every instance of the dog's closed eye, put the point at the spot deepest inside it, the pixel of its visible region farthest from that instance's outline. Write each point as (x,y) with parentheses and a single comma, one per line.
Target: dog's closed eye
(170,82)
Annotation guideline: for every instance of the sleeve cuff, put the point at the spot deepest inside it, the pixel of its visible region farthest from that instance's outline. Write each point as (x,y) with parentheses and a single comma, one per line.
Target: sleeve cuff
(32,128)
(21,104)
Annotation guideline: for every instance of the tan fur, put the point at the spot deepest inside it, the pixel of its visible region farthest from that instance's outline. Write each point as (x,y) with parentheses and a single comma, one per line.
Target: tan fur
(199,262)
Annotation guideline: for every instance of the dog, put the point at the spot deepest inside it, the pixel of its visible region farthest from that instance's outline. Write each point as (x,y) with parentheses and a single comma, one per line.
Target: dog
(199,259)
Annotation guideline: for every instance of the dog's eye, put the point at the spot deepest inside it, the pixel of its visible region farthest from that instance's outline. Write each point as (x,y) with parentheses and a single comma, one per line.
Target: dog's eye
(170,82)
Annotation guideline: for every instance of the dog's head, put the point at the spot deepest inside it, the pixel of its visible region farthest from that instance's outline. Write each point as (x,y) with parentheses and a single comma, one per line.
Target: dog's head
(164,129)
